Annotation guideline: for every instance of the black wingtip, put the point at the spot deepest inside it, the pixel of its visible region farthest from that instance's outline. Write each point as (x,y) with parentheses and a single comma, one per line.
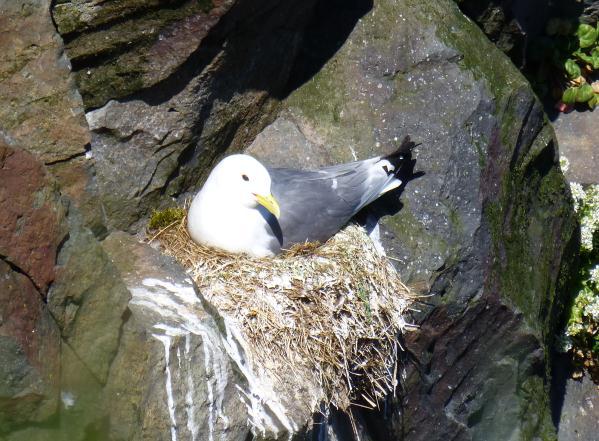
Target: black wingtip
(403,152)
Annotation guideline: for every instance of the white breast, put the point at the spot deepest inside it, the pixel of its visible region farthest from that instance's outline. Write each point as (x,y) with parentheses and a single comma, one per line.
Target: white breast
(215,223)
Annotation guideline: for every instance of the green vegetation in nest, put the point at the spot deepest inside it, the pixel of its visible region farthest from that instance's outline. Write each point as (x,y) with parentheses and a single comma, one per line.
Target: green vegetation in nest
(161,219)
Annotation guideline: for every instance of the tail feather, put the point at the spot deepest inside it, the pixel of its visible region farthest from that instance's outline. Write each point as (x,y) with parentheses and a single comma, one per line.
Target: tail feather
(392,185)
(393,162)
(404,151)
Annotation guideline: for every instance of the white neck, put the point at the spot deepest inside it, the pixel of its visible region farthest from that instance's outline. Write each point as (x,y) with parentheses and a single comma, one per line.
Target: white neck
(231,227)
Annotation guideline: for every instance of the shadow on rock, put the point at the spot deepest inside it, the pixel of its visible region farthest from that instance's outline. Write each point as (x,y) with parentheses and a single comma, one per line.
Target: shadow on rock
(324,35)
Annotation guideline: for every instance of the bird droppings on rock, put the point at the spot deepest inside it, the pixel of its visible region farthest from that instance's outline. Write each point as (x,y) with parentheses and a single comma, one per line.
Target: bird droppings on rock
(332,312)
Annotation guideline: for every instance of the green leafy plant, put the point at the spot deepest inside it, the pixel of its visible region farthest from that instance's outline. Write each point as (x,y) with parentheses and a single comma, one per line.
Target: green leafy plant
(579,68)
(587,35)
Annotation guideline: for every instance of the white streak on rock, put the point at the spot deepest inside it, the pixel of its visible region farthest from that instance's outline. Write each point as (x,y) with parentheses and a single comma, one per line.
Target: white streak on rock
(191,407)
(260,398)
(207,359)
(177,306)
(166,341)
(68,399)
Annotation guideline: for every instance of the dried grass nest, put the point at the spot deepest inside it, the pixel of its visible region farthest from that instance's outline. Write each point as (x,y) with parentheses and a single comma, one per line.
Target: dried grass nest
(335,310)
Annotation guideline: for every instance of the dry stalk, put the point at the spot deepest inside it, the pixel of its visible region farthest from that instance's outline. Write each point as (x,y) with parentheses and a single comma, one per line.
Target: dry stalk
(333,310)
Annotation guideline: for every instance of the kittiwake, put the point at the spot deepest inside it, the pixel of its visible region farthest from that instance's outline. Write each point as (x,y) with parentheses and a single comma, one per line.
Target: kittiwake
(245,207)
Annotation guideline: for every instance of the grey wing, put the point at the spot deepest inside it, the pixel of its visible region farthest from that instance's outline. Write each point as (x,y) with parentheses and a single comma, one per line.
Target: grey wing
(316,204)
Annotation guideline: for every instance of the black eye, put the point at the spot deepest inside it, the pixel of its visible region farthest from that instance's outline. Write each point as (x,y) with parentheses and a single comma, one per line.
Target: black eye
(245,177)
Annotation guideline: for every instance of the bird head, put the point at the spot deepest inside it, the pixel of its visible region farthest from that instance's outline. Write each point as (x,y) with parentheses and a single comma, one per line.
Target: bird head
(242,180)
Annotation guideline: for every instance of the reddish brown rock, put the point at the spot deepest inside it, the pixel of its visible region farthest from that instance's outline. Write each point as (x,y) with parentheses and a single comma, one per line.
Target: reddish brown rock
(32,224)
(29,352)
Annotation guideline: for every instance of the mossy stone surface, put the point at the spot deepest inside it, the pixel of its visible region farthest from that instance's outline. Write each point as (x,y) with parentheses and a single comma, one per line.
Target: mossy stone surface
(119,48)
(79,15)
(173,85)
(40,109)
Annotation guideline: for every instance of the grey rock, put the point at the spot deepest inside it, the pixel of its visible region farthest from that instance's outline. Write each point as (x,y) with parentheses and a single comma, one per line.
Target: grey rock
(42,110)
(580,411)
(206,384)
(29,353)
(577,134)
(282,144)
(577,402)
(172,375)
(198,82)
(88,300)
(141,43)
(486,228)
(136,149)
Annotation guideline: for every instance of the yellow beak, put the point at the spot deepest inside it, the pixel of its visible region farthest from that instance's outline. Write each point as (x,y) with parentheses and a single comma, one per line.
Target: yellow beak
(270,203)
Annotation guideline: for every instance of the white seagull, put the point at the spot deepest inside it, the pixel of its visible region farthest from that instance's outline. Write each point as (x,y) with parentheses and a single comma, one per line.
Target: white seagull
(246,208)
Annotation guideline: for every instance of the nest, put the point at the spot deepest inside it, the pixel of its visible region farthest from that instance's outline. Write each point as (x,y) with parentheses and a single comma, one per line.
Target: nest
(333,310)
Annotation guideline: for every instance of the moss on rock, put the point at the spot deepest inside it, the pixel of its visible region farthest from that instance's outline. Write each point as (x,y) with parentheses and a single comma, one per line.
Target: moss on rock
(114,46)
(163,218)
(477,55)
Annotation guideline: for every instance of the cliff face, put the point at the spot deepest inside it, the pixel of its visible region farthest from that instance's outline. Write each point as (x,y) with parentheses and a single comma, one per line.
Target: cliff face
(109,109)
